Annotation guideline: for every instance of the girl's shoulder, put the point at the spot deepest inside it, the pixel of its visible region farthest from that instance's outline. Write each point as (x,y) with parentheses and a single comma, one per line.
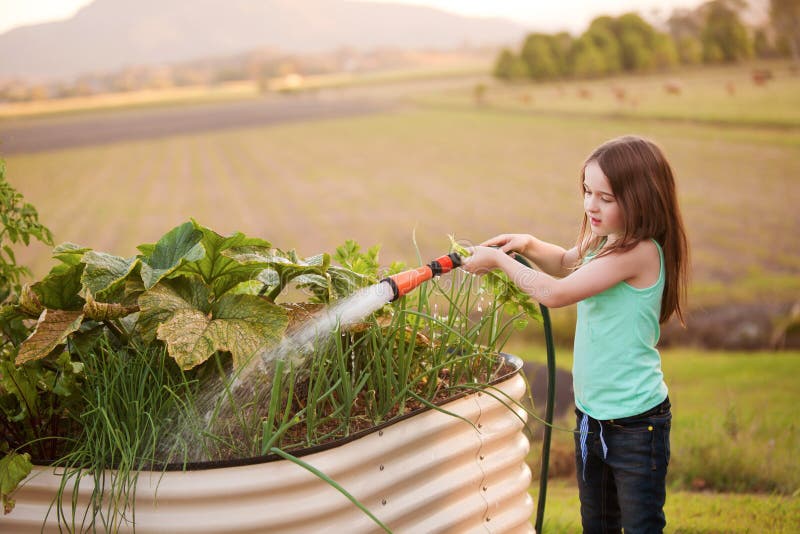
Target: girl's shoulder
(645,258)
(643,248)
(647,246)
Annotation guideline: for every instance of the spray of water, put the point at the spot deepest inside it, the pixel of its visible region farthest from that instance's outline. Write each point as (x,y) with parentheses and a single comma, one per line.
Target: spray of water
(296,348)
(313,333)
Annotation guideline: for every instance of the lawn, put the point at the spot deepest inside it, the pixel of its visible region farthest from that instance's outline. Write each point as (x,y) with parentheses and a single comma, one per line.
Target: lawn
(687,512)
(734,443)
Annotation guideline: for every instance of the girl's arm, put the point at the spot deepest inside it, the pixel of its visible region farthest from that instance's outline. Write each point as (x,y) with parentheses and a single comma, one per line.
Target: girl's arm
(552,259)
(592,278)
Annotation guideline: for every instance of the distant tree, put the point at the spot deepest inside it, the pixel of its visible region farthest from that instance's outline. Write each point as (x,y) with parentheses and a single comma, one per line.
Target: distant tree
(510,67)
(686,28)
(785,17)
(764,46)
(637,42)
(665,53)
(562,45)
(690,50)
(724,36)
(538,53)
(685,23)
(587,60)
(601,33)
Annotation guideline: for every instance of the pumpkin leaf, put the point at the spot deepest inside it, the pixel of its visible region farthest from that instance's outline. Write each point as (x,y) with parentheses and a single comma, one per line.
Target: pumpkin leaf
(239,324)
(14,468)
(220,271)
(104,273)
(69,253)
(344,282)
(51,331)
(158,304)
(60,289)
(179,245)
(283,267)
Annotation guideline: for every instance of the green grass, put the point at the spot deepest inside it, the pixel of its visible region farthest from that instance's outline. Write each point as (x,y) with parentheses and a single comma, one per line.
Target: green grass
(719,95)
(734,433)
(734,428)
(687,512)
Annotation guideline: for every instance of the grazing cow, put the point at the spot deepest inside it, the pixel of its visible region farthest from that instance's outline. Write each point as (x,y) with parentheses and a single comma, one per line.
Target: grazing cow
(761,76)
(673,87)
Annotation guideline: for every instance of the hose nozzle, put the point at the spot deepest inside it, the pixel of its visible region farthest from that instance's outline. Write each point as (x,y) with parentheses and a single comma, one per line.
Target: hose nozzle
(403,283)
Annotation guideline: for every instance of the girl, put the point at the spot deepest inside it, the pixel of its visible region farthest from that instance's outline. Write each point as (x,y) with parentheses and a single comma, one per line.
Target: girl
(628,274)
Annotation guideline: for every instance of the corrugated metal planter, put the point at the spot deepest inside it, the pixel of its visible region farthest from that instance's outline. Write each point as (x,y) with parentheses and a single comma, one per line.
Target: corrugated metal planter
(431,472)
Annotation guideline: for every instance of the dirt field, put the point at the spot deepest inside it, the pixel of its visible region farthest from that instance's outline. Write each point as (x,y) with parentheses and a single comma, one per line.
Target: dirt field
(99,127)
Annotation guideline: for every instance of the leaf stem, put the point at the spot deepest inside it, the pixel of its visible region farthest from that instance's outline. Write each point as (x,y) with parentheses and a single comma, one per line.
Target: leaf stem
(116,330)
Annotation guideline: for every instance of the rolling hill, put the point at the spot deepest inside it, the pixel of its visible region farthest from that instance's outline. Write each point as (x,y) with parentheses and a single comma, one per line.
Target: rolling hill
(112,34)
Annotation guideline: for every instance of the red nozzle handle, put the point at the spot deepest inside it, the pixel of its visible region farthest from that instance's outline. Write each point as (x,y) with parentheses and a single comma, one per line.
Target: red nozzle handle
(445,264)
(407,281)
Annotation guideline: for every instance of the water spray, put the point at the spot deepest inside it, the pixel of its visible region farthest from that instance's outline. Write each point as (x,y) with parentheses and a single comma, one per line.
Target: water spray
(407,281)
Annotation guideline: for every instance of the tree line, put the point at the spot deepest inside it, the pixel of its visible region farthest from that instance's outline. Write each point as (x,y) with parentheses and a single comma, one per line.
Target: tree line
(710,34)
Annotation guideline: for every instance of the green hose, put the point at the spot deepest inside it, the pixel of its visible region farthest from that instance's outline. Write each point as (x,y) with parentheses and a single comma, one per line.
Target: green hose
(548,417)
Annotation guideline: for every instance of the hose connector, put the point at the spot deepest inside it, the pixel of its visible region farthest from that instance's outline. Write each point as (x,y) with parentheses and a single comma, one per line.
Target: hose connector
(407,281)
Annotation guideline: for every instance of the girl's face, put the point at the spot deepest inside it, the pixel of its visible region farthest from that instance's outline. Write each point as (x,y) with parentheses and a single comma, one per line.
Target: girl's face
(600,204)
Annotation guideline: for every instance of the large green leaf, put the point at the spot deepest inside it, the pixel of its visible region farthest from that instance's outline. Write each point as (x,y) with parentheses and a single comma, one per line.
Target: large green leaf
(318,285)
(60,289)
(345,282)
(219,271)
(51,331)
(103,273)
(158,304)
(358,269)
(179,245)
(13,470)
(283,267)
(239,324)
(69,253)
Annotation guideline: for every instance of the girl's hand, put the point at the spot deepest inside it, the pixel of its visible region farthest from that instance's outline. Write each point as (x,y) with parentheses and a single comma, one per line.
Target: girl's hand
(511,243)
(482,259)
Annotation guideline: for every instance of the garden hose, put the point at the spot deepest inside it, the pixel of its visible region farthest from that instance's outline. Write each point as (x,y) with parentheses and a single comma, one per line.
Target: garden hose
(403,283)
(551,393)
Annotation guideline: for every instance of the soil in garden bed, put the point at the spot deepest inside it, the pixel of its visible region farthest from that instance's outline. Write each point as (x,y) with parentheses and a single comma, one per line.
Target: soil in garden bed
(333,428)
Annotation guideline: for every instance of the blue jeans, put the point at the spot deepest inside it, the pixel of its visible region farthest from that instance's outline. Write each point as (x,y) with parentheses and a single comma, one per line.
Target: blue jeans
(623,483)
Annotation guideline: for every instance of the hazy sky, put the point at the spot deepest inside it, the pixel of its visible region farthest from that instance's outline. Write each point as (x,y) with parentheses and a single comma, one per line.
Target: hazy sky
(573,15)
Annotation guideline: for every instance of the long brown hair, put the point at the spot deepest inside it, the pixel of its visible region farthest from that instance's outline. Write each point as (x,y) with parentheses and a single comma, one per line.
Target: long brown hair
(642,181)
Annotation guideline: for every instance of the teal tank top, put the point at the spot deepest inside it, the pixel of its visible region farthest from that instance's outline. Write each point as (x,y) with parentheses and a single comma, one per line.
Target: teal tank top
(616,368)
